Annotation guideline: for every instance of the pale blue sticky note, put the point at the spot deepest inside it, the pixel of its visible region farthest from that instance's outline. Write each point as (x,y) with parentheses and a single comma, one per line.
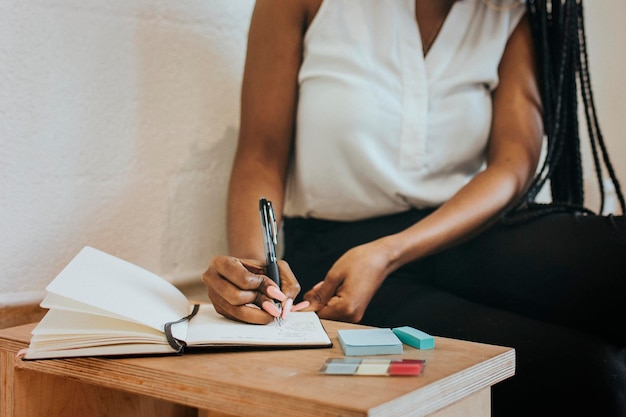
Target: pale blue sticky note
(357,342)
(341,366)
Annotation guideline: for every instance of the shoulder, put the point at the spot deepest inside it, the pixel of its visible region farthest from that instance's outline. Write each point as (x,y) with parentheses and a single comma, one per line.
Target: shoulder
(300,12)
(492,20)
(507,12)
(312,7)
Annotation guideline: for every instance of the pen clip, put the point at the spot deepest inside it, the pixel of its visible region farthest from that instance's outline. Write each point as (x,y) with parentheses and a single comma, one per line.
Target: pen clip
(272,219)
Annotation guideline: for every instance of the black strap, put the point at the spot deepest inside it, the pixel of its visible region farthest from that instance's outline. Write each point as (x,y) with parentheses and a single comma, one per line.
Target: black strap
(176,344)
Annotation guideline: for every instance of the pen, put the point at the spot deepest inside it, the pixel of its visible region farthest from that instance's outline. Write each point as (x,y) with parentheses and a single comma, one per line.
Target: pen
(270,240)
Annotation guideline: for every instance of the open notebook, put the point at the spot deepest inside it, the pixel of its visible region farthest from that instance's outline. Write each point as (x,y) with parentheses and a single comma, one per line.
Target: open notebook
(101,305)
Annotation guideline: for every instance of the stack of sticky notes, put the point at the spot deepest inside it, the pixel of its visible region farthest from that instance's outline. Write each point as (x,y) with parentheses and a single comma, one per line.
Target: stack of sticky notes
(413,337)
(357,342)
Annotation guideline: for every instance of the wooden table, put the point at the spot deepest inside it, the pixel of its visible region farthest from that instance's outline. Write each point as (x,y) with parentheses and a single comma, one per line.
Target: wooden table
(456,382)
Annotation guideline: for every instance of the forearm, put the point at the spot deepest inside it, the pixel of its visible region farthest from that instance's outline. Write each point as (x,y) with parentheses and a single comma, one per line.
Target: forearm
(268,103)
(512,157)
(475,207)
(250,180)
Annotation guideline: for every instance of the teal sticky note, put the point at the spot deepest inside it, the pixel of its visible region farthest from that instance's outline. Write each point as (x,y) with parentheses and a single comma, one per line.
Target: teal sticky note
(365,342)
(413,337)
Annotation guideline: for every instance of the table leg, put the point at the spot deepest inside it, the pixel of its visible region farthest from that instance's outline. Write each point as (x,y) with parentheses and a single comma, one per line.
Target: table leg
(477,404)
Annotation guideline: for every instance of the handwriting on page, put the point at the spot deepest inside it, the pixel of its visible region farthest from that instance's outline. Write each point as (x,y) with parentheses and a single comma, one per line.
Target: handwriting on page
(209,327)
(296,329)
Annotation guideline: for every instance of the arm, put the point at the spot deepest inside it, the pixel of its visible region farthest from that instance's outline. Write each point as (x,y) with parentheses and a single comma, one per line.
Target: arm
(268,106)
(512,158)
(513,153)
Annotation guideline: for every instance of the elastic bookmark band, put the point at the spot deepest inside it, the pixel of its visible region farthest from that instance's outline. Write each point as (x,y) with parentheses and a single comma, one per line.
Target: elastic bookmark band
(177,345)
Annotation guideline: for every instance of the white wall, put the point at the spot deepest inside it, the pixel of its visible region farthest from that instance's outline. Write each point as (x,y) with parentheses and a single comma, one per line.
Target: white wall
(118,121)
(606,42)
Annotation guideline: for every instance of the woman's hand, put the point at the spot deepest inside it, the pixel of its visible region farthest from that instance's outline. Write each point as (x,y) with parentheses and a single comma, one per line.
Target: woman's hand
(351,283)
(240,290)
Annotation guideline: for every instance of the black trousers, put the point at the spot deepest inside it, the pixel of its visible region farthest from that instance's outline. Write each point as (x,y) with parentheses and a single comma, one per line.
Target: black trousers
(553,288)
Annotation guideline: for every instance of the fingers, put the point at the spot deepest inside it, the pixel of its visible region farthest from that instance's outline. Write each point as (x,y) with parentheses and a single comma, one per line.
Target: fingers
(334,302)
(320,294)
(235,285)
(240,291)
(301,306)
(233,280)
(290,287)
(341,309)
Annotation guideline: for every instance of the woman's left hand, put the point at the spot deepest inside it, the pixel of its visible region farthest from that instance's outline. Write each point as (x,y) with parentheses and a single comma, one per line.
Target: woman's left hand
(351,283)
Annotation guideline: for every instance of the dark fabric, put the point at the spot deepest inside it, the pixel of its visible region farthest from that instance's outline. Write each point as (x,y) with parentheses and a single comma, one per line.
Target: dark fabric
(554,288)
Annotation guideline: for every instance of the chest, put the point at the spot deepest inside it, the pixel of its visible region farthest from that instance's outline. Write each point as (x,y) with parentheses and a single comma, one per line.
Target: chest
(430,16)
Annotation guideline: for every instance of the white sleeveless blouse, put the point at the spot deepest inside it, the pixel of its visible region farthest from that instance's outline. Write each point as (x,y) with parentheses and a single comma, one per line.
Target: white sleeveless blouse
(380,128)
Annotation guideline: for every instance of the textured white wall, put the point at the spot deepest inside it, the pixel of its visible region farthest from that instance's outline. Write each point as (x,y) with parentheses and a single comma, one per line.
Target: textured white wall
(118,121)
(606,42)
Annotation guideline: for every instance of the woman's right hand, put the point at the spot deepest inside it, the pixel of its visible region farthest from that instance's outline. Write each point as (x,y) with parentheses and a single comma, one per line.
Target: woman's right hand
(240,290)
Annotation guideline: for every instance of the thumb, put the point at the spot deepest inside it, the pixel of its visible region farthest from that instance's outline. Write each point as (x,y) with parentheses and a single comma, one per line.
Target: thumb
(319,295)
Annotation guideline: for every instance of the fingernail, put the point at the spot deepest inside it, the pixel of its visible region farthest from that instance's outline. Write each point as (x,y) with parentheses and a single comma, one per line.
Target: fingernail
(319,284)
(287,308)
(275,293)
(300,306)
(270,308)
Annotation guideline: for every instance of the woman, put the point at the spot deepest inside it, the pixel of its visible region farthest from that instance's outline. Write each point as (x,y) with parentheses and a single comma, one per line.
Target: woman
(399,141)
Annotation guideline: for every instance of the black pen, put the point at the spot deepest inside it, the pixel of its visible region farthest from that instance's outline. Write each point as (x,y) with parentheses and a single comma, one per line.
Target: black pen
(270,240)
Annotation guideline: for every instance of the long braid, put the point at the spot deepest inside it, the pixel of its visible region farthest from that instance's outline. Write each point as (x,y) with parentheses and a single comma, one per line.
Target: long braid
(559,36)
(558,81)
(567,181)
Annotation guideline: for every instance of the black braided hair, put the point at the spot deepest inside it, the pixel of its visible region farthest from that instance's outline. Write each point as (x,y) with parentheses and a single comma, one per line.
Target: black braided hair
(563,69)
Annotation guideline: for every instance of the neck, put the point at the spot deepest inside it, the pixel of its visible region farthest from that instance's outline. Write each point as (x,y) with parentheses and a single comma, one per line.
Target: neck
(430,16)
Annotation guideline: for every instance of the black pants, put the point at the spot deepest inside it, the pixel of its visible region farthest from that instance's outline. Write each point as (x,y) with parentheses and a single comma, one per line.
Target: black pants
(554,288)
